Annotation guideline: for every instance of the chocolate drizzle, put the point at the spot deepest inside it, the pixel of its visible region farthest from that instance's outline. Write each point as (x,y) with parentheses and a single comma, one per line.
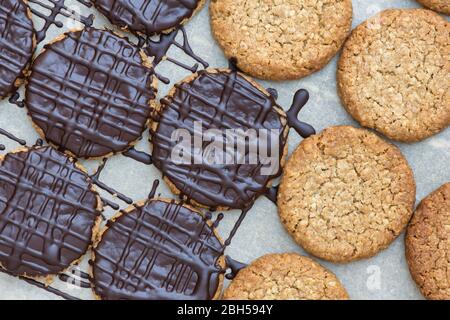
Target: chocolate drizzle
(76,278)
(14,99)
(272,193)
(301,97)
(47,212)
(158,250)
(43,286)
(234,266)
(139,156)
(221,100)
(12,137)
(96,180)
(158,50)
(16,43)
(89,93)
(56,8)
(147,16)
(273,92)
(236,226)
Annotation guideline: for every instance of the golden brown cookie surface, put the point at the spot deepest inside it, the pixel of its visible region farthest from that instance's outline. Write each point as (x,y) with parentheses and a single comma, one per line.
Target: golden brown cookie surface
(442,6)
(346,194)
(280,39)
(287,276)
(428,245)
(393,74)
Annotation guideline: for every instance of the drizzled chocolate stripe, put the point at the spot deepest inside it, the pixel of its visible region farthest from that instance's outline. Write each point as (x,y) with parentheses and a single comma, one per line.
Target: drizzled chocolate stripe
(158,250)
(147,16)
(221,100)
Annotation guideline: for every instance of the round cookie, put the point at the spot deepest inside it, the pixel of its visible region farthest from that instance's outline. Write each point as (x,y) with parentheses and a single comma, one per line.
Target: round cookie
(49,212)
(428,245)
(346,194)
(287,276)
(442,6)
(280,39)
(218,100)
(89,93)
(17,43)
(393,74)
(158,249)
(149,16)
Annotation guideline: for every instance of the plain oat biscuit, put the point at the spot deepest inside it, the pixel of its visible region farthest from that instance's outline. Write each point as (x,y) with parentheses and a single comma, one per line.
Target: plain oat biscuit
(346,194)
(287,276)
(393,75)
(442,6)
(428,245)
(280,39)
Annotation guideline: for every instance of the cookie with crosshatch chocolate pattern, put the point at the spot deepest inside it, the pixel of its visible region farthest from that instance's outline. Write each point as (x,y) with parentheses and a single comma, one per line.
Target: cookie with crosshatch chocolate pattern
(49,212)
(218,99)
(393,74)
(90,93)
(17,43)
(149,16)
(158,249)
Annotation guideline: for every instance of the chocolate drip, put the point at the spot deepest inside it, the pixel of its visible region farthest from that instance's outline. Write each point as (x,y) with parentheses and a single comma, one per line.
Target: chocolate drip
(16,43)
(152,192)
(89,93)
(161,250)
(14,99)
(74,281)
(110,204)
(220,100)
(12,137)
(272,193)
(57,7)
(147,16)
(139,156)
(232,64)
(301,97)
(158,49)
(236,226)
(273,92)
(47,212)
(39,143)
(43,286)
(96,180)
(234,266)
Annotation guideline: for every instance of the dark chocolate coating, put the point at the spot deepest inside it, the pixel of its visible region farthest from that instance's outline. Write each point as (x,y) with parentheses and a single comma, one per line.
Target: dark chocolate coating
(221,100)
(47,212)
(89,93)
(161,250)
(16,43)
(147,16)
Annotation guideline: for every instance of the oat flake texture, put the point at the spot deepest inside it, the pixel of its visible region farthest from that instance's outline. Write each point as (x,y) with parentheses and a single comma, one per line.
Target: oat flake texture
(287,276)
(346,194)
(428,245)
(393,75)
(280,39)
